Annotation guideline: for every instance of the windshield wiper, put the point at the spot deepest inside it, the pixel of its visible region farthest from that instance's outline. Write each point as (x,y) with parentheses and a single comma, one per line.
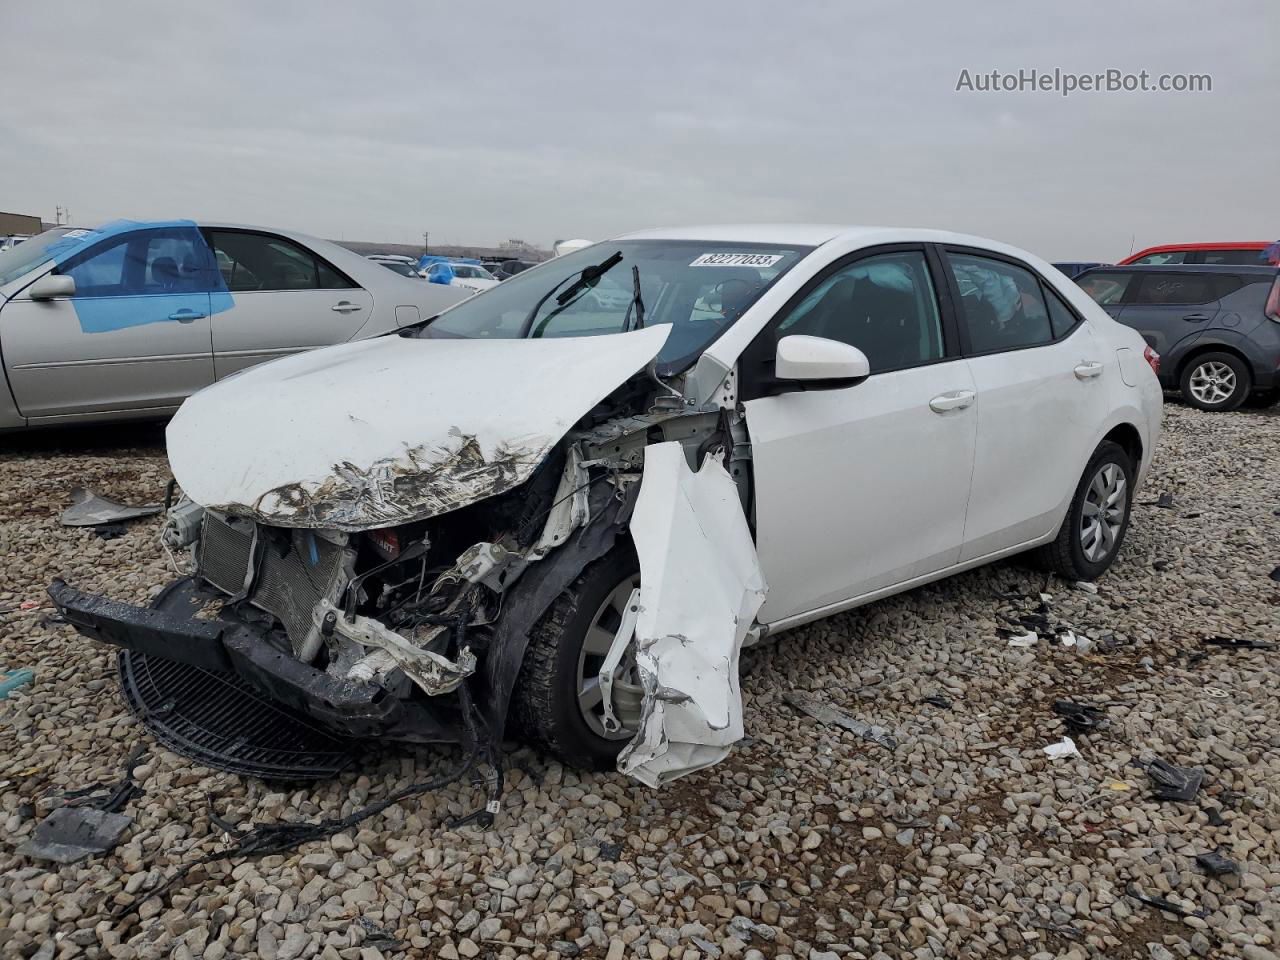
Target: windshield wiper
(637,303)
(588,276)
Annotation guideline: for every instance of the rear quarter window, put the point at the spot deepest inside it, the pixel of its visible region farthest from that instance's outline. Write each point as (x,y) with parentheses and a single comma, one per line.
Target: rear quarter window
(1105,288)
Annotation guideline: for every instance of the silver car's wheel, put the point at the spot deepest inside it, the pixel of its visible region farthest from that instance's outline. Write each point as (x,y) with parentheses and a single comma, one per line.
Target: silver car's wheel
(1212,383)
(627,691)
(1103,514)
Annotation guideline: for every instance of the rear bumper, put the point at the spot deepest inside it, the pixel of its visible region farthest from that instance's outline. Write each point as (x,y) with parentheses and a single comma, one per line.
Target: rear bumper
(171,632)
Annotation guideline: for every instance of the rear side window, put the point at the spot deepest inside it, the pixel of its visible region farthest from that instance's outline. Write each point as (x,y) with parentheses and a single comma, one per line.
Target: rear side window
(883,305)
(1061,319)
(1233,257)
(260,261)
(1105,288)
(1001,304)
(1176,289)
(1172,256)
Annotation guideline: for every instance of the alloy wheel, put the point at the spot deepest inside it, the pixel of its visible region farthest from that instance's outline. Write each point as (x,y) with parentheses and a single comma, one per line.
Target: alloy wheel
(1105,503)
(627,691)
(1213,383)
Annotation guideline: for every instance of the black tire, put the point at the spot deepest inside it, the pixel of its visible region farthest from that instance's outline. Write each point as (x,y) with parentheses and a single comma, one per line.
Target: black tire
(1066,554)
(545,705)
(1207,365)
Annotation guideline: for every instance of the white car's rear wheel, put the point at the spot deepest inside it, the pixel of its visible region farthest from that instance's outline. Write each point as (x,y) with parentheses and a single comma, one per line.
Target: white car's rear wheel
(1098,518)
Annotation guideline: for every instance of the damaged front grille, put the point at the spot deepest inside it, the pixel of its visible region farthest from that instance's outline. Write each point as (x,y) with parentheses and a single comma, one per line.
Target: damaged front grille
(297,570)
(221,721)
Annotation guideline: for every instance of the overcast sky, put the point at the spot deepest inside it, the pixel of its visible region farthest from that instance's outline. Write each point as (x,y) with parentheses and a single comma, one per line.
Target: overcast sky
(545,120)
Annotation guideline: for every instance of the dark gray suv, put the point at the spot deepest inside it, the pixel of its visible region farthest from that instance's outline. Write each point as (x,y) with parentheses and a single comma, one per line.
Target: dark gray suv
(1216,328)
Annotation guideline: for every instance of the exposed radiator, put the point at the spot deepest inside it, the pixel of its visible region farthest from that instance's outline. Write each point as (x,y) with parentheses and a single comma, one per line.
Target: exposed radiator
(298,569)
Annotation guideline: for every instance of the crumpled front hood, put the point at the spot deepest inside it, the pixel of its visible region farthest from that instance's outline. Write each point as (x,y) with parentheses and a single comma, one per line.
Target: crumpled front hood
(391,430)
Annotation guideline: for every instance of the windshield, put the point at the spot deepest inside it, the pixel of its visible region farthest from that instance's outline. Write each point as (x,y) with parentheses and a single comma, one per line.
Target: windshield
(26,256)
(697,287)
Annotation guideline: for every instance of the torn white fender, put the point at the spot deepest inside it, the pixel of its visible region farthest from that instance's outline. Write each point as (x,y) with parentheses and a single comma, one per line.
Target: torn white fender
(700,588)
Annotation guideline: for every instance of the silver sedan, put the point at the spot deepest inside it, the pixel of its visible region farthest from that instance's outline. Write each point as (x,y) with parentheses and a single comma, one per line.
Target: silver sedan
(127,320)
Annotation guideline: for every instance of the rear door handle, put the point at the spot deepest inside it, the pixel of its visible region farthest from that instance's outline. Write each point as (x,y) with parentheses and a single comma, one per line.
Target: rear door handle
(1090,368)
(186,316)
(955,400)
(1196,317)
(345,306)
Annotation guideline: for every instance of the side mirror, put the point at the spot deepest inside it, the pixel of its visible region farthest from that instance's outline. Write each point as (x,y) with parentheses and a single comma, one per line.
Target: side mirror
(817,358)
(52,285)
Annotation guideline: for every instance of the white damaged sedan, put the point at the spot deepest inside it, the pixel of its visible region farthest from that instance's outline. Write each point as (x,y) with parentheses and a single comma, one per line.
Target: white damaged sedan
(564,514)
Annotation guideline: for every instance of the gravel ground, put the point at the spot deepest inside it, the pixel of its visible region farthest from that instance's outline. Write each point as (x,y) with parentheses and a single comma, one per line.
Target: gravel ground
(808,842)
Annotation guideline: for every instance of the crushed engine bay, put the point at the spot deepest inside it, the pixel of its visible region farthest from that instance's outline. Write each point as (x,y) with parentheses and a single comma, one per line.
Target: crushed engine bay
(393,595)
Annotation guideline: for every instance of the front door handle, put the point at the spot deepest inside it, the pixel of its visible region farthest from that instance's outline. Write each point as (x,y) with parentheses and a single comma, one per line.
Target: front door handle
(1088,369)
(1196,317)
(345,306)
(955,400)
(186,316)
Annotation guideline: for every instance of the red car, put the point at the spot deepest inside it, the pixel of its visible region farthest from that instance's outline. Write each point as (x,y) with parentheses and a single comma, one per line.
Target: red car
(1228,253)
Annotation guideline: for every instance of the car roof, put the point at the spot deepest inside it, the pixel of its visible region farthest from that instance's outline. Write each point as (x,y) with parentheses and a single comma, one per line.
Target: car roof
(816,234)
(1192,247)
(1260,269)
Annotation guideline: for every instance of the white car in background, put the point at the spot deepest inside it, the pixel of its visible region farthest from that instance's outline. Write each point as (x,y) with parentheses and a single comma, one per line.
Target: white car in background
(469,276)
(126,320)
(564,515)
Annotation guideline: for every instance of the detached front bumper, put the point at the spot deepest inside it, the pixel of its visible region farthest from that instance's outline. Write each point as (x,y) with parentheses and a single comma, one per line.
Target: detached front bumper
(170,631)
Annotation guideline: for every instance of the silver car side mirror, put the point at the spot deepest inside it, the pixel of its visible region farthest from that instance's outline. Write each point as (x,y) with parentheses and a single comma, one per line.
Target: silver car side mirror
(52,285)
(803,357)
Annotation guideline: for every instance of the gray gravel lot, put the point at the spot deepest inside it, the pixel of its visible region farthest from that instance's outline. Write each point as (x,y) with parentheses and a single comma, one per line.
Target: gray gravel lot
(808,842)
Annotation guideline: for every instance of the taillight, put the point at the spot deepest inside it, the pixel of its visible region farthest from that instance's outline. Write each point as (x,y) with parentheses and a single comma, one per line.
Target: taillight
(1153,359)
(385,542)
(1273,301)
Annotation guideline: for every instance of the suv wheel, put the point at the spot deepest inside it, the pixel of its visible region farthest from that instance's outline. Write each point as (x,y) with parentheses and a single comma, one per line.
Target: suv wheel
(1096,523)
(558,701)
(1216,381)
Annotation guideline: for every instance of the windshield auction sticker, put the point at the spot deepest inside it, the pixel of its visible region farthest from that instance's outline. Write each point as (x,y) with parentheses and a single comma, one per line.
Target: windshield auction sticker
(736,260)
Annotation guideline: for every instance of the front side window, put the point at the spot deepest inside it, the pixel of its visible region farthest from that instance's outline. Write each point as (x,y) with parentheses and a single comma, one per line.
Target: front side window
(1175,289)
(143,262)
(883,305)
(1001,304)
(259,261)
(1169,256)
(698,288)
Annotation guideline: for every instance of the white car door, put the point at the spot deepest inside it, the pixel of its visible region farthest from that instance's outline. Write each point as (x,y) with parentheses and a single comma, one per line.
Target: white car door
(287,299)
(1041,379)
(861,487)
